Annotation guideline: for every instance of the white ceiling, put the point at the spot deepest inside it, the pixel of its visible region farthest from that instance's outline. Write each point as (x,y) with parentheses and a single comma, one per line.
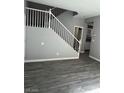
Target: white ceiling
(85,8)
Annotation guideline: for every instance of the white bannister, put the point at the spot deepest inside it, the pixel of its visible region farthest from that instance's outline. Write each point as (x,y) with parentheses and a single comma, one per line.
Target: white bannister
(65,27)
(37,10)
(45,19)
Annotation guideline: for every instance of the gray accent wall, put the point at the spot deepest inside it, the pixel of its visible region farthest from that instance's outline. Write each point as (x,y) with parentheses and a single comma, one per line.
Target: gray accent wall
(67,19)
(44,43)
(95,43)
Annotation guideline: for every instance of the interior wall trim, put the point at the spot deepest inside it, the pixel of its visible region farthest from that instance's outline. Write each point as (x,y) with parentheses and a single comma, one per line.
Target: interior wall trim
(52,59)
(94,58)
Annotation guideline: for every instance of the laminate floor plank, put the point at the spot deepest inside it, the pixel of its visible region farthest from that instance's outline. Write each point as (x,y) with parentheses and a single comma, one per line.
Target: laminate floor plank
(65,76)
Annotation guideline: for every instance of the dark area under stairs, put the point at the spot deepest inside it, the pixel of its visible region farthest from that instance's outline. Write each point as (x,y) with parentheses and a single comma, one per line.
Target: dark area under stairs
(56,11)
(65,76)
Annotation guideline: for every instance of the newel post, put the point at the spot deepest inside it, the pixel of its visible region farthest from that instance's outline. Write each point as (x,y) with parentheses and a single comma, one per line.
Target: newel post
(49,17)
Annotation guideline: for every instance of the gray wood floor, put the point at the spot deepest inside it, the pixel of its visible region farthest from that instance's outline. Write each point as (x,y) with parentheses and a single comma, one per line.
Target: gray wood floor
(70,76)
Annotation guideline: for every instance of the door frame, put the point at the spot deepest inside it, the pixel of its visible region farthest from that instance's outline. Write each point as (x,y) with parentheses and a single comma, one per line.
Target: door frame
(81,36)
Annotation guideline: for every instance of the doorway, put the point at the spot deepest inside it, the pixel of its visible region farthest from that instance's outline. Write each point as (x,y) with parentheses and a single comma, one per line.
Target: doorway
(88,37)
(78,31)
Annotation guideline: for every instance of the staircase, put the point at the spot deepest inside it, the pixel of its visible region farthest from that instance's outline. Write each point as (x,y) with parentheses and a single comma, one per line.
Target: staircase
(46,19)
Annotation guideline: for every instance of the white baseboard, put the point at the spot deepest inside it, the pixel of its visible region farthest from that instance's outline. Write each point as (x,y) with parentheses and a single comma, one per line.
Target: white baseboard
(81,51)
(52,59)
(94,58)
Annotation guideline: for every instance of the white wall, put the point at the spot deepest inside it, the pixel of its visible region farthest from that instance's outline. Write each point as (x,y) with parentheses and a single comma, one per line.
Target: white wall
(53,45)
(95,43)
(70,21)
